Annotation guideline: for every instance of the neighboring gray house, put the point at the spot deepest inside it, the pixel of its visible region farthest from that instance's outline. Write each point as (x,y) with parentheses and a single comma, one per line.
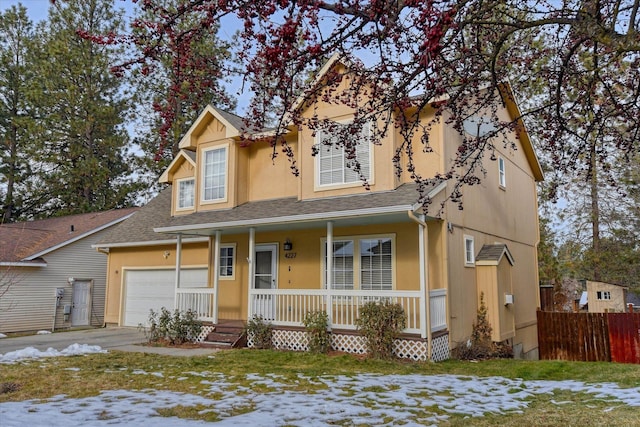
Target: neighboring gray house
(50,276)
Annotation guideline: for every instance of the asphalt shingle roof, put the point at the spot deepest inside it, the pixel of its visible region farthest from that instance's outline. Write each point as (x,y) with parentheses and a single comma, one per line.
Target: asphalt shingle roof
(24,239)
(156,214)
(493,252)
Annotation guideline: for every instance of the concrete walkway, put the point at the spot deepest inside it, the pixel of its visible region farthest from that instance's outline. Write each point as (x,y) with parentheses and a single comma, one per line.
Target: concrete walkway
(110,338)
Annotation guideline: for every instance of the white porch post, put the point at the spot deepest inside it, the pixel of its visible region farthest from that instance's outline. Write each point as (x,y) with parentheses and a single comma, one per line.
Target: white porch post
(426,293)
(178,263)
(216,275)
(252,251)
(423,282)
(329,272)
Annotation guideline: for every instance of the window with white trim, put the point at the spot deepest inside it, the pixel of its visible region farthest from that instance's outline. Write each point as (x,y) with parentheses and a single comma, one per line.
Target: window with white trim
(502,178)
(214,175)
(227,261)
(469,251)
(365,263)
(603,295)
(333,163)
(186,189)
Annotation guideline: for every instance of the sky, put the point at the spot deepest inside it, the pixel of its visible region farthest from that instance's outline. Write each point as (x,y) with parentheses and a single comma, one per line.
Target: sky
(364,399)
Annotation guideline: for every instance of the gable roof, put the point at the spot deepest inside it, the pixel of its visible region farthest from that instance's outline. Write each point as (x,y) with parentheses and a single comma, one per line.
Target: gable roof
(183,155)
(24,243)
(234,125)
(154,225)
(521,129)
(493,254)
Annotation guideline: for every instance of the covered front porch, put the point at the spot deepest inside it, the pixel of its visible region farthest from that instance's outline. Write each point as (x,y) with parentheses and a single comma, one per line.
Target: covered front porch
(332,261)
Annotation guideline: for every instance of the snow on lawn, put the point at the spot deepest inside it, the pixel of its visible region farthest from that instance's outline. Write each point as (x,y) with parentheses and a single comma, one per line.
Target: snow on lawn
(2,335)
(364,399)
(34,353)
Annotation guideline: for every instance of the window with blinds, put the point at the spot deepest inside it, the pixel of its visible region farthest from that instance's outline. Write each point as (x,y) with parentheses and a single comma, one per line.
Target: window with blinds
(365,263)
(333,162)
(186,193)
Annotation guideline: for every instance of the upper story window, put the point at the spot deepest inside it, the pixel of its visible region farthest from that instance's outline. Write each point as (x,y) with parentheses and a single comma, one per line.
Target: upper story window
(469,251)
(603,295)
(214,174)
(502,179)
(334,164)
(186,191)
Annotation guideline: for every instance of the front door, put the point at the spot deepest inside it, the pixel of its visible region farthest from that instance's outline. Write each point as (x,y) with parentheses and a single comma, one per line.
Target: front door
(81,303)
(265,277)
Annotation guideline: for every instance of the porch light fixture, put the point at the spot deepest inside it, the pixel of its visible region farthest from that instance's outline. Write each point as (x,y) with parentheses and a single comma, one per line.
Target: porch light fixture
(288,245)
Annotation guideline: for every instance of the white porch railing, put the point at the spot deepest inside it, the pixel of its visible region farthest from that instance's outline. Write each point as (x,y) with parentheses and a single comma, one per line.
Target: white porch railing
(438,309)
(287,307)
(200,300)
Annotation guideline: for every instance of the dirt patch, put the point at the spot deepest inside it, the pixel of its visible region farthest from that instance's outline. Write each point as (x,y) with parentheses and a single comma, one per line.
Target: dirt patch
(9,387)
(167,343)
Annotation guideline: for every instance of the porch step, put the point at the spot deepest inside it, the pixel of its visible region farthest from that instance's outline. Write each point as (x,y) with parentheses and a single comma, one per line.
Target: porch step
(226,336)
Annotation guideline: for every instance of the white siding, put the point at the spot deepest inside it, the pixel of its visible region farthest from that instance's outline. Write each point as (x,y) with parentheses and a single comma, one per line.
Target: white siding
(29,304)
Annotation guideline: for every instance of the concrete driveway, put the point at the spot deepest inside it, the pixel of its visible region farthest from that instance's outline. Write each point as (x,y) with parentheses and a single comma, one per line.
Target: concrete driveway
(111,338)
(107,338)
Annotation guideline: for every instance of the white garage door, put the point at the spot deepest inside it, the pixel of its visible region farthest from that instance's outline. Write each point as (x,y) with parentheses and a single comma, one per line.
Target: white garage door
(153,289)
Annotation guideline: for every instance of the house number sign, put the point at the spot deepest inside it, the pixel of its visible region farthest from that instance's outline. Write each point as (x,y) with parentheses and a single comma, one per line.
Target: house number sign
(290,255)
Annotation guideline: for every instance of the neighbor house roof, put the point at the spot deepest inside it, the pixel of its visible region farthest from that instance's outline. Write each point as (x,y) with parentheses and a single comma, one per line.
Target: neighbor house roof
(25,243)
(154,224)
(633,298)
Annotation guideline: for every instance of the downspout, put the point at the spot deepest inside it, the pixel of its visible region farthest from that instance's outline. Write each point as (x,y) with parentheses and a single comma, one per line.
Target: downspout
(216,275)
(107,281)
(329,272)
(425,315)
(178,263)
(252,251)
(55,311)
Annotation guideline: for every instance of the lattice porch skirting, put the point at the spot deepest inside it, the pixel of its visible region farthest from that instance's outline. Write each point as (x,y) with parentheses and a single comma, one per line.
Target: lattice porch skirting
(406,347)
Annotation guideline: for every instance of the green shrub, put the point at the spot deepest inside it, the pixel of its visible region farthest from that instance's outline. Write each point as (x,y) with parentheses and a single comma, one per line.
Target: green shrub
(260,332)
(316,324)
(480,345)
(176,328)
(380,324)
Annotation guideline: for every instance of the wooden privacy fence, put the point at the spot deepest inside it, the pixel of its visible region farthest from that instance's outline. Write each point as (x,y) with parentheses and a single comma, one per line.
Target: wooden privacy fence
(593,337)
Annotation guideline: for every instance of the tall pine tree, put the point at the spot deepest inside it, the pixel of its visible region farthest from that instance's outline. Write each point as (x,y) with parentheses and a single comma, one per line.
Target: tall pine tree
(82,111)
(16,120)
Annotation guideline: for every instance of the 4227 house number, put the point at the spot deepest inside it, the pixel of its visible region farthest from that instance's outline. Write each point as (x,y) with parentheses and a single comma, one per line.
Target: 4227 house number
(290,255)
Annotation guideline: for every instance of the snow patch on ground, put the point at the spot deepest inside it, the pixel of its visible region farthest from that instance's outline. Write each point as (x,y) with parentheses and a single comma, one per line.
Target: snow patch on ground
(34,353)
(3,336)
(364,399)
(43,332)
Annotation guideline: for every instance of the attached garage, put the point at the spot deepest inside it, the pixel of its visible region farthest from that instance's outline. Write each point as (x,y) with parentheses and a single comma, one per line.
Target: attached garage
(152,289)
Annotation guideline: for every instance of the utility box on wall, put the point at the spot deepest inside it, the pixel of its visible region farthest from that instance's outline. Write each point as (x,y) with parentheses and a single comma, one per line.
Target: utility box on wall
(493,277)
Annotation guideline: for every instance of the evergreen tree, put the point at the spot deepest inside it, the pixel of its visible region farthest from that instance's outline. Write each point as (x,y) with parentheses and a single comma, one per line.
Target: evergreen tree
(16,73)
(82,109)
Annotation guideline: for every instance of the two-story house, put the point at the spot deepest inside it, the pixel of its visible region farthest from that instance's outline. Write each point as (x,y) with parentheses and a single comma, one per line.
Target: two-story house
(237,235)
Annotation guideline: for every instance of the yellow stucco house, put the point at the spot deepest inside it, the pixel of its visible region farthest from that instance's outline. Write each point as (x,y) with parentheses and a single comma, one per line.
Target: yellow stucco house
(237,235)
